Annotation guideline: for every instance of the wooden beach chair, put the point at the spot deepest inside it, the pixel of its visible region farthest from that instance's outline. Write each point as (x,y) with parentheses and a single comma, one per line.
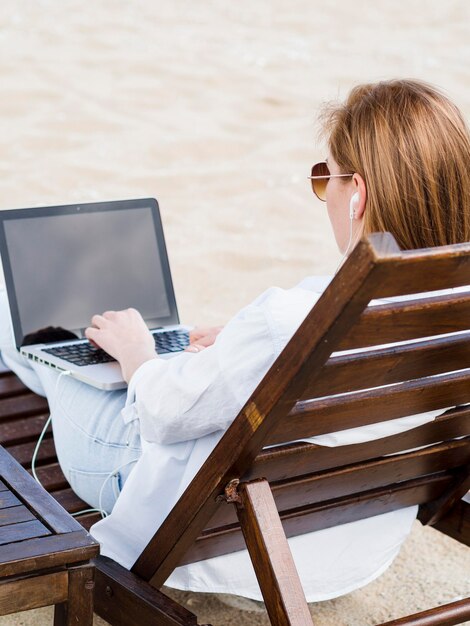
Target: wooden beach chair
(247,496)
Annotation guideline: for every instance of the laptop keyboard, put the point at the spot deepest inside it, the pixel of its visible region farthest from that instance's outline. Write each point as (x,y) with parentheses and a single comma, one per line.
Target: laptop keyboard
(87,354)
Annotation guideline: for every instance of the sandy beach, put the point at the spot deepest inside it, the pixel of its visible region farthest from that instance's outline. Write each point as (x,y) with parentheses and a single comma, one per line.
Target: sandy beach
(211,108)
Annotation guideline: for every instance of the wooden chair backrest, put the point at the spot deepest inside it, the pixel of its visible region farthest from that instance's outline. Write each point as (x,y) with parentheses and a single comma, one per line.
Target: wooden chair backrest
(312,389)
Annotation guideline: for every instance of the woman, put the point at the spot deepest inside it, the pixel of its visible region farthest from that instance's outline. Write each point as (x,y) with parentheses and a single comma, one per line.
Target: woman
(398,155)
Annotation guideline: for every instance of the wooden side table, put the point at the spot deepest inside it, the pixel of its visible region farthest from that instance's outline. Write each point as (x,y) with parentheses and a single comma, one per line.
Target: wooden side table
(44,553)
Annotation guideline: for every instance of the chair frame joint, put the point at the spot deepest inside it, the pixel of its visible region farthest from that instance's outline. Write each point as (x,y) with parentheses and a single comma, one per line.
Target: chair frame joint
(231,494)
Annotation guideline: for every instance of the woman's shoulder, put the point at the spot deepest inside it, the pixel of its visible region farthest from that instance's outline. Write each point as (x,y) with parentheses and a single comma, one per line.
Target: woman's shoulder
(317,284)
(283,310)
(307,288)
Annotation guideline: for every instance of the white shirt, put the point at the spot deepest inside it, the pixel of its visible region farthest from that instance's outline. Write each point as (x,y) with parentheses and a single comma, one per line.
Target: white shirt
(185,404)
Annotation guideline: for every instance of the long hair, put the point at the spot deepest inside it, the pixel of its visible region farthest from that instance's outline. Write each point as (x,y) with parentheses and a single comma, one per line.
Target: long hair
(412,147)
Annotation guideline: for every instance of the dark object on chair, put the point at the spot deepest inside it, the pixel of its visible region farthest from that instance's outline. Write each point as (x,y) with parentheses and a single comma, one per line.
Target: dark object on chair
(243,493)
(47,335)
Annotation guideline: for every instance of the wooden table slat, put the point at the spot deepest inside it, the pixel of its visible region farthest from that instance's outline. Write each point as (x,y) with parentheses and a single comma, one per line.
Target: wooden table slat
(37,536)
(7,499)
(44,506)
(15,514)
(23,530)
(47,552)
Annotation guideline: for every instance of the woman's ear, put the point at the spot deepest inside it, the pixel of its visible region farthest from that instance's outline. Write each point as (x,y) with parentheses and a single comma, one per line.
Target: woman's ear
(361,190)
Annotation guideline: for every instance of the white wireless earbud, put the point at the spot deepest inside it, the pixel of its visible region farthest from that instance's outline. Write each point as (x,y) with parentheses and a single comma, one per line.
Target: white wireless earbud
(352,205)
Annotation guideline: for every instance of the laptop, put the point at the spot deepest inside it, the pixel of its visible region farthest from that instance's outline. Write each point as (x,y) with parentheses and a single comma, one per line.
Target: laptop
(64,264)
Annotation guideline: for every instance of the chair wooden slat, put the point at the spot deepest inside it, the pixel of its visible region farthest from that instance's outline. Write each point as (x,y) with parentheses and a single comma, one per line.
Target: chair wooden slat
(22,406)
(51,477)
(23,452)
(340,482)
(69,500)
(367,407)
(281,462)
(384,366)
(18,431)
(342,511)
(414,271)
(11,386)
(387,323)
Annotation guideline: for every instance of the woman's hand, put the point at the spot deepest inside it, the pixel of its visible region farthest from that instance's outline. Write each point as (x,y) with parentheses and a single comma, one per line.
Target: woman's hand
(200,338)
(123,335)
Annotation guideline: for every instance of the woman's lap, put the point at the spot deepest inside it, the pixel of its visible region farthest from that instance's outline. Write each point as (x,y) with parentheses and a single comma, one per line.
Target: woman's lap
(91,439)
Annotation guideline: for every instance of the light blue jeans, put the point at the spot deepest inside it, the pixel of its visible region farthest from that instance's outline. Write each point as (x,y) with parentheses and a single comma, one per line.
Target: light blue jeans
(95,448)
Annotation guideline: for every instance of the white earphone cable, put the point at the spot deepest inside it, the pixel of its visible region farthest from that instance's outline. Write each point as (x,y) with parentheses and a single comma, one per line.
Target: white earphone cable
(352,214)
(108,477)
(43,431)
(343,258)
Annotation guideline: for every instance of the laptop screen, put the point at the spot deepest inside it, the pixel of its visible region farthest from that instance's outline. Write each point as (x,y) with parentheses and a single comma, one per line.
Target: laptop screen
(64,264)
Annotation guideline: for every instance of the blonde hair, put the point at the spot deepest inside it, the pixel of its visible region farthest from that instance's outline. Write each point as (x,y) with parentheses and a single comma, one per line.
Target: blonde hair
(412,147)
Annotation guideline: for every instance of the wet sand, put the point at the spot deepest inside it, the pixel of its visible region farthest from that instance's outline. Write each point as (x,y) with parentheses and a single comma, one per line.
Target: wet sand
(211,107)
